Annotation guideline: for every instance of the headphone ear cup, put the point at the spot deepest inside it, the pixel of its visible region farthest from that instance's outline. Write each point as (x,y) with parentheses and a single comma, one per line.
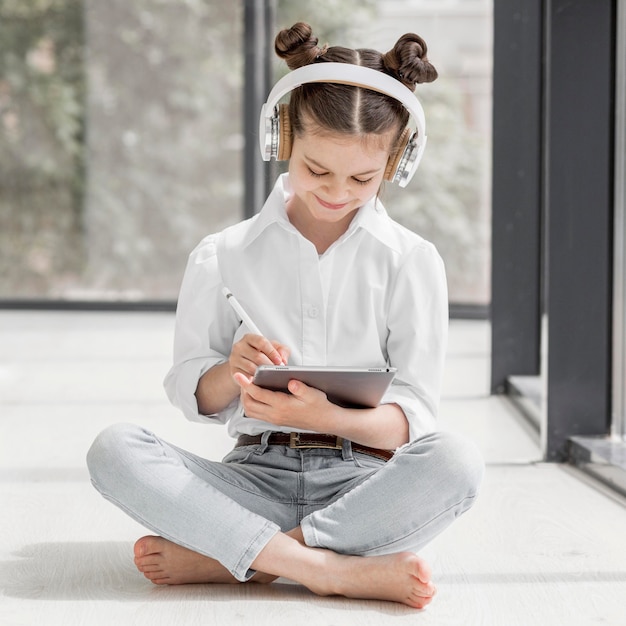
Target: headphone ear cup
(396,157)
(284,133)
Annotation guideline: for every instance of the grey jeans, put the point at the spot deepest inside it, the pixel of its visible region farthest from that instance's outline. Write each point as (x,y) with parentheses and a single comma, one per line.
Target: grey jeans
(344,501)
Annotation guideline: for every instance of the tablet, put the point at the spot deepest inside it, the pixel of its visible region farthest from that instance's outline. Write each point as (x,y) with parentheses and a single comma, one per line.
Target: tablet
(345,386)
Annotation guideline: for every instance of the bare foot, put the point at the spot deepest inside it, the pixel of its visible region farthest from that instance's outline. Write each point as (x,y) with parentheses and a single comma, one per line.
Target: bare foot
(166,563)
(402,577)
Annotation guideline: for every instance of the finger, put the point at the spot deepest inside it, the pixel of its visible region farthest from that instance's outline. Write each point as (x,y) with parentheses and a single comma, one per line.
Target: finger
(258,394)
(261,403)
(296,388)
(283,351)
(303,392)
(245,365)
(242,380)
(248,354)
(269,355)
(284,355)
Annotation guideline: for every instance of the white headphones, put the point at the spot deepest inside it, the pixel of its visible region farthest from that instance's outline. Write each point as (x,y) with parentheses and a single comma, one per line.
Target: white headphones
(275,130)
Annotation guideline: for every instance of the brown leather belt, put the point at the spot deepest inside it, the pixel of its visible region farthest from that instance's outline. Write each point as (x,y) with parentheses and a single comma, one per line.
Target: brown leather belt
(311,440)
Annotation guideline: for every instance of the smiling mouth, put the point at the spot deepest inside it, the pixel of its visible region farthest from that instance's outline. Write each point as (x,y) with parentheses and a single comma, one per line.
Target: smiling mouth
(329,205)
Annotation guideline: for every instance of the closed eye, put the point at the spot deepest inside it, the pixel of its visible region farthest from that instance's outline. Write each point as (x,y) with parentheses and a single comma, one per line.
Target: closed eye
(316,174)
(359,181)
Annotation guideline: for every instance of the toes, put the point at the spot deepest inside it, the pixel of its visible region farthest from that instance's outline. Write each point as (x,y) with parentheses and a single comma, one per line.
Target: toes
(156,580)
(427,591)
(146,545)
(423,595)
(149,559)
(149,567)
(422,603)
(156,576)
(422,570)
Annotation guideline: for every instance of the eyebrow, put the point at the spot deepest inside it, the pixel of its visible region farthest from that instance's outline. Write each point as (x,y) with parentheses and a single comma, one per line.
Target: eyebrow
(314,162)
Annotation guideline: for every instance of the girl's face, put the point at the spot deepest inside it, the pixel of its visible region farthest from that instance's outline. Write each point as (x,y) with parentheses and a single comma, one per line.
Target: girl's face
(333,175)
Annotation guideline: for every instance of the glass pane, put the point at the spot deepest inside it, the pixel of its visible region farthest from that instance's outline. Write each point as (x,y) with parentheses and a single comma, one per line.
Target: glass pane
(42,89)
(120,145)
(121,137)
(449,200)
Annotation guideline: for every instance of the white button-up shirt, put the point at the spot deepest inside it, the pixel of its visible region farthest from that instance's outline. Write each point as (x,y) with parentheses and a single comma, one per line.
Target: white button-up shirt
(377,297)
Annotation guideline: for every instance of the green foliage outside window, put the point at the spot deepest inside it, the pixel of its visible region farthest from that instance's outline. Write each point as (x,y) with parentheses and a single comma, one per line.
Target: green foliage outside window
(42,90)
(121,139)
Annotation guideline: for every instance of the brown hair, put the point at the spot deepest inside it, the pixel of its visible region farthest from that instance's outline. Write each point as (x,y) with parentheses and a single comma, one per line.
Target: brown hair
(348,109)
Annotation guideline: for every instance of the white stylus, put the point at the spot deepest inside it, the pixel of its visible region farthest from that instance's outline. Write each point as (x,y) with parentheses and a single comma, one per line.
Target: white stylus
(245,318)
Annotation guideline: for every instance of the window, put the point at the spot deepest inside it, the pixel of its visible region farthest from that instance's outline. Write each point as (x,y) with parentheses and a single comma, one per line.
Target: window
(121,137)
(121,141)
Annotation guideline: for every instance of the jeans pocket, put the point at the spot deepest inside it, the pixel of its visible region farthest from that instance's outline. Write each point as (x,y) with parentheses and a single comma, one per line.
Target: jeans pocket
(240,454)
(366,460)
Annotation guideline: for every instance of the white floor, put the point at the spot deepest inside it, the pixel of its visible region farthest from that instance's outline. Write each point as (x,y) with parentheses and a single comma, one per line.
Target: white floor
(543,545)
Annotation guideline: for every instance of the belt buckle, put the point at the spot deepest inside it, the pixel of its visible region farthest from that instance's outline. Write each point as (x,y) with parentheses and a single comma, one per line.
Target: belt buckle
(296,444)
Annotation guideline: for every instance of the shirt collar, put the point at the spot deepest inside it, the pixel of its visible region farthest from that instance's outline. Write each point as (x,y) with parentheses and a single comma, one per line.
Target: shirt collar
(273,211)
(371,217)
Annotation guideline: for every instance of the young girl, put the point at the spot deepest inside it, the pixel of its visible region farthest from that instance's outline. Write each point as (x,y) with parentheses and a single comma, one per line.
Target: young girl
(331,280)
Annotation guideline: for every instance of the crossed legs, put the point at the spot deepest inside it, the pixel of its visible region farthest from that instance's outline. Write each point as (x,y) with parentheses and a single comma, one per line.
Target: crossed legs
(387,570)
(402,577)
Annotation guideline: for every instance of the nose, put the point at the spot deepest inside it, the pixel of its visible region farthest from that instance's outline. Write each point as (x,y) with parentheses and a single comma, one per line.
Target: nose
(336,191)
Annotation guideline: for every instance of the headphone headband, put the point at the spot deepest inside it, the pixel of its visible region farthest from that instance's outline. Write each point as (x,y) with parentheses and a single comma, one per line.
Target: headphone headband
(349,74)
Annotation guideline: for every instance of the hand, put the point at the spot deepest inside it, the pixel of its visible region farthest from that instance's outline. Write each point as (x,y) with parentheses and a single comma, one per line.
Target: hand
(254,350)
(307,408)
(304,408)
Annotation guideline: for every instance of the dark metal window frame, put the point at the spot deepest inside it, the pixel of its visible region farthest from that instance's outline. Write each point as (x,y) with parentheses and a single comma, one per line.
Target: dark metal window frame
(553,202)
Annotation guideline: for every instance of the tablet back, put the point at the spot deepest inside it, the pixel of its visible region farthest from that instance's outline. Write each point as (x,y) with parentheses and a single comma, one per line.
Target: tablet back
(345,386)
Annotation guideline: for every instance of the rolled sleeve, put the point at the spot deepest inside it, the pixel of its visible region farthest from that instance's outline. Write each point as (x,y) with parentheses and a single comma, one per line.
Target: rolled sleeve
(418,329)
(203,333)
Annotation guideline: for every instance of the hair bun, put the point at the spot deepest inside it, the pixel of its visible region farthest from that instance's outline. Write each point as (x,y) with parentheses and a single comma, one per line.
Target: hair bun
(407,61)
(298,46)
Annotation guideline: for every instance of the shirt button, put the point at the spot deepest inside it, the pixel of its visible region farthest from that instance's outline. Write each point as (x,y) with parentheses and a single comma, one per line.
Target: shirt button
(313,312)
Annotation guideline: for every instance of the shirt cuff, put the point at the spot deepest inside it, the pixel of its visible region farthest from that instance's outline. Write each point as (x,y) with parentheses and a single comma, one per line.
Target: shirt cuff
(181,383)
(422,420)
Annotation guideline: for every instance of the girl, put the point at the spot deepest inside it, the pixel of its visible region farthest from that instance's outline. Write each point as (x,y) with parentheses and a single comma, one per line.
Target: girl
(332,280)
